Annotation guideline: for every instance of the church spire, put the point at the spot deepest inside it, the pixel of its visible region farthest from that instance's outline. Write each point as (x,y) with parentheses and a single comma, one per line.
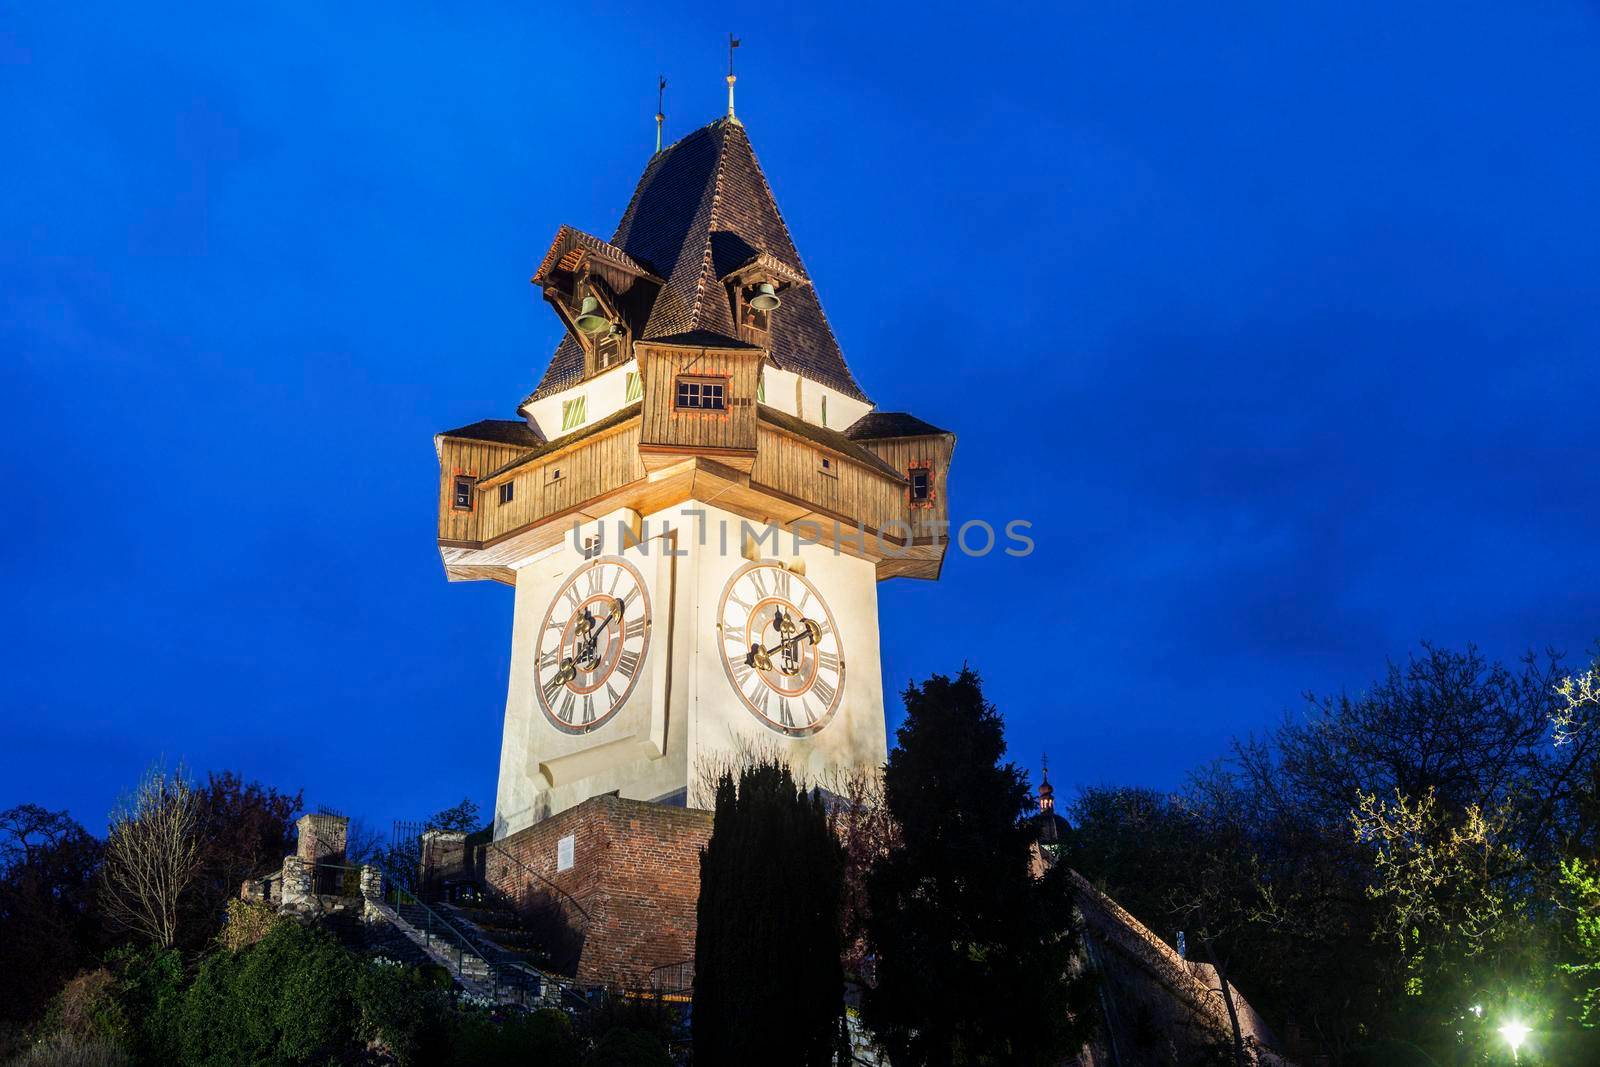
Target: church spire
(733,42)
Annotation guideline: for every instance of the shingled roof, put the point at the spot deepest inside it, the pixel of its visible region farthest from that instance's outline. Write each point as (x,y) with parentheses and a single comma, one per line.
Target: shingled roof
(701,210)
(876,425)
(499,431)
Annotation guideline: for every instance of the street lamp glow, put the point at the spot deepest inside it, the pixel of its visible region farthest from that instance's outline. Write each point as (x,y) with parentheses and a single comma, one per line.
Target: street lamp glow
(1515,1034)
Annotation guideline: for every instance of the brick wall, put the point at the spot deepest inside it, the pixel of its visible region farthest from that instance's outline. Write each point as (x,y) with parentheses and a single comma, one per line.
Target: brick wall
(627,903)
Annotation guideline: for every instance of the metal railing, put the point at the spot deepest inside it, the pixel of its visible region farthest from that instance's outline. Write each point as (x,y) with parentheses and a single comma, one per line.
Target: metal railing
(499,976)
(673,981)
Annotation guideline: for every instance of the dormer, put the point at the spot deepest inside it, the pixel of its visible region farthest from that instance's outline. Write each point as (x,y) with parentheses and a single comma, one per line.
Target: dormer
(755,294)
(600,293)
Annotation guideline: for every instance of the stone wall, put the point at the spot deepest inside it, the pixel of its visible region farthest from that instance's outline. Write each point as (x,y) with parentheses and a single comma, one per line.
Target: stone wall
(626,904)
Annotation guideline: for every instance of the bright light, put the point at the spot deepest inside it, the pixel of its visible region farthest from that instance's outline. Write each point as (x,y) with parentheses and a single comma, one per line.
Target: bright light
(1515,1034)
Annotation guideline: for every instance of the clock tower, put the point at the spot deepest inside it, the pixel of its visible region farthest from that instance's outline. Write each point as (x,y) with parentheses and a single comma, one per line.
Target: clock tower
(694,507)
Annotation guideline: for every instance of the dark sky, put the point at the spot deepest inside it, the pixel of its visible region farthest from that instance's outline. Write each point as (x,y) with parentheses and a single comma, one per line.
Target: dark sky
(1278,321)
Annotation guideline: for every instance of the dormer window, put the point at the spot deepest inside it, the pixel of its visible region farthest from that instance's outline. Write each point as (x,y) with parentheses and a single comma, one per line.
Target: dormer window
(702,394)
(465,489)
(508,491)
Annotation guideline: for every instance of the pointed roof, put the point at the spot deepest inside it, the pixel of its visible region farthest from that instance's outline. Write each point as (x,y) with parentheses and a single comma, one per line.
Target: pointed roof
(703,209)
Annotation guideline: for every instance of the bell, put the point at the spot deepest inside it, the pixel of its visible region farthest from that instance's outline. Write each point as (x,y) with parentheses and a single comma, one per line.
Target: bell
(766,298)
(589,319)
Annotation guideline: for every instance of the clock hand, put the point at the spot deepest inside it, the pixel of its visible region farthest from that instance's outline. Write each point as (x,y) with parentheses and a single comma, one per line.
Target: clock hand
(810,630)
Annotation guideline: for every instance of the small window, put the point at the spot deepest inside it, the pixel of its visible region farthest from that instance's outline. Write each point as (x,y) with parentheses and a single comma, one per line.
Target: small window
(828,467)
(564,852)
(574,413)
(462,499)
(761,389)
(702,394)
(553,474)
(508,490)
(592,547)
(921,485)
(635,388)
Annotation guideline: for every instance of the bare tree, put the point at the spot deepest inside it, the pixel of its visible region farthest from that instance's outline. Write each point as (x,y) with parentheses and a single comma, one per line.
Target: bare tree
(152,855)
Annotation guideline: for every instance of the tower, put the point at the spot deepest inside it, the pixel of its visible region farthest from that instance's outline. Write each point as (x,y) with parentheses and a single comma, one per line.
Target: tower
(694,508)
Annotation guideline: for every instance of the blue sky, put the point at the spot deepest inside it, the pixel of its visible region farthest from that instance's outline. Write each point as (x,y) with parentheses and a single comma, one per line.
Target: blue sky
(1278,321)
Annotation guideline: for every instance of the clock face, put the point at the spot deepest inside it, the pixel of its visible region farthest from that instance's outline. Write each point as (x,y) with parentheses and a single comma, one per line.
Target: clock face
(592,645)
(780,648)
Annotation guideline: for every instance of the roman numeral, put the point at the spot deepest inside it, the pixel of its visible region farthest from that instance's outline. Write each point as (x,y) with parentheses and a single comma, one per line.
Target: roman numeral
(627,663)
(635,629)
(551,687)
(616,580)
(781,578)
(627,601)
(593,584)
(565,714)
(573,597)
(611,696)
(828,661)
(588,708)
(761,697)
(785,715)
(741,673)
(824,691)
(551,658)
(758,579)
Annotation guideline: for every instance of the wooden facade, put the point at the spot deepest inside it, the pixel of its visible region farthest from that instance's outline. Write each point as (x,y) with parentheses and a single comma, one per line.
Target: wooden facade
(753,461)
(670,432)
(931,517)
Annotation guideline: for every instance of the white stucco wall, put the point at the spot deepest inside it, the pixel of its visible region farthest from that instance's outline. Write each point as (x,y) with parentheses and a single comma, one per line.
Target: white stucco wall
(802,397)
(680,720)
(607,392)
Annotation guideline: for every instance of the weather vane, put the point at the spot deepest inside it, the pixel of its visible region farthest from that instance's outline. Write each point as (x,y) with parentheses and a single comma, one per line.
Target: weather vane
(661,110)
(733,42)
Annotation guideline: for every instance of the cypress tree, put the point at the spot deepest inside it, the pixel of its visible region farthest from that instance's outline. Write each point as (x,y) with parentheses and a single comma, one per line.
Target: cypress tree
(974,955)
(769,984)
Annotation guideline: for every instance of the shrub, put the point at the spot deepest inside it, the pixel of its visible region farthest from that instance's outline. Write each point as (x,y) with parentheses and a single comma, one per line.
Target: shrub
(87,1008)
(403,1012)
(544,1037)
(288,999)
(246,923)
(629,1048)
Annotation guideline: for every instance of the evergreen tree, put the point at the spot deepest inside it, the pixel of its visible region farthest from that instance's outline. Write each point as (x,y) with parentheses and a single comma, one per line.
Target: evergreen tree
(769,984)
(974,954)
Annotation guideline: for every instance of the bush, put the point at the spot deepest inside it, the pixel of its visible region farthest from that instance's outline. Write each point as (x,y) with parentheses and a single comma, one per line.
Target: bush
(288,999)
(246,924)
(62,1049)
(403,1012)
(545,1037)
(87,1008)
(629,1048)
(150,994)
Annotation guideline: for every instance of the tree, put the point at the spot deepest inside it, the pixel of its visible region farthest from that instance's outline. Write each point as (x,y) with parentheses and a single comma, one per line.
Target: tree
(462,817)
(974,956)
(48,926)
(152,856)
(859,816)
(769,985)
(245,830)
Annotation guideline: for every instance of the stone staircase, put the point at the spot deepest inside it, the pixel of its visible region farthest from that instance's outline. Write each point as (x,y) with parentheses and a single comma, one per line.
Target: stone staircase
(485,951)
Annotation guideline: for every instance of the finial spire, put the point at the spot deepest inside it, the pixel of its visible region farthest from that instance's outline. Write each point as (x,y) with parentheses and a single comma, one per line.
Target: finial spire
(661,109)
(733,42)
